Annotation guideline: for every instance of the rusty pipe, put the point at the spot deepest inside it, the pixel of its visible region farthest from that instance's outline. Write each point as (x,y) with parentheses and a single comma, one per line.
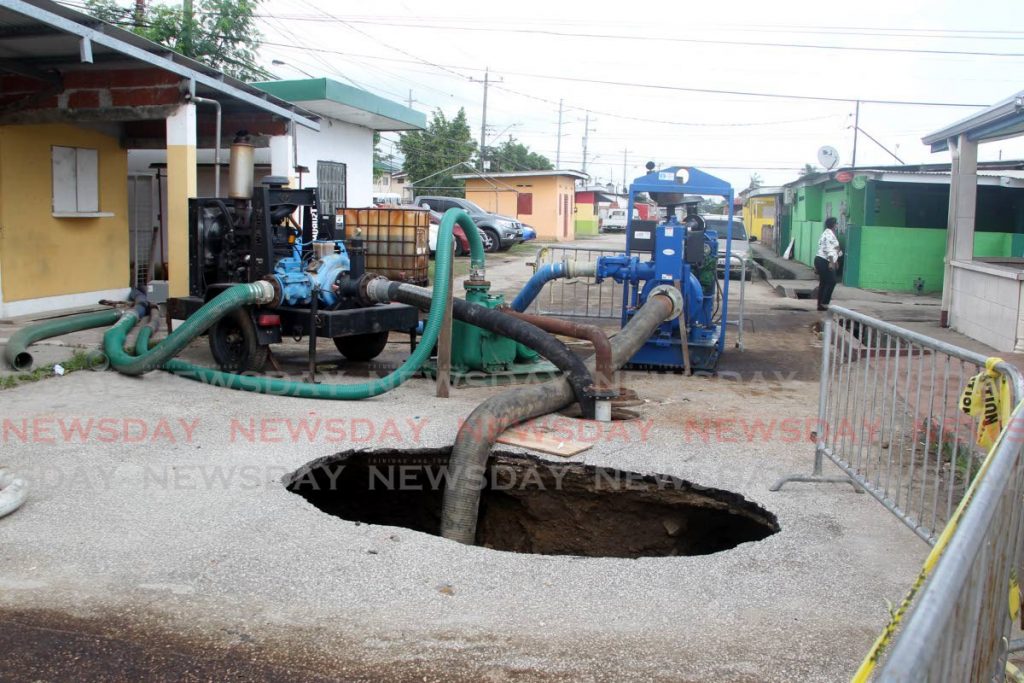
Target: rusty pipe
(592,333)
(603,389)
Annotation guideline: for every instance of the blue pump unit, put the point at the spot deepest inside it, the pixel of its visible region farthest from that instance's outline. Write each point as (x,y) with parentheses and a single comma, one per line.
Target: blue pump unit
(300,281)
(682,254)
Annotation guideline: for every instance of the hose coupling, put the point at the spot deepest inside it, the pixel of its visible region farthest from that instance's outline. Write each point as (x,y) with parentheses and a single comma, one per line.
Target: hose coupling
(477,274)
(674,295)
(579,269)
(266,291)
(375,289)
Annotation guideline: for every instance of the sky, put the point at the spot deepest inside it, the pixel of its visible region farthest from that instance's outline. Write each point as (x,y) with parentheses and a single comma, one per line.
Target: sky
(627,69)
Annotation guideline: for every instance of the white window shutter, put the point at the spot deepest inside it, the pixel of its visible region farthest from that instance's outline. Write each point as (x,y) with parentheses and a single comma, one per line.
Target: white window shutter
(87,177)
(65,193)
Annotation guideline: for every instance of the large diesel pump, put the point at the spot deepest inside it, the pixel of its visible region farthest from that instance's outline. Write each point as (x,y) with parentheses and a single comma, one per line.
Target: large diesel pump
(275,233)
(674,251)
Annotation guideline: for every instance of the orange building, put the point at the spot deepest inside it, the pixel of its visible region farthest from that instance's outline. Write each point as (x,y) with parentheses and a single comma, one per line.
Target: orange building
(544,200)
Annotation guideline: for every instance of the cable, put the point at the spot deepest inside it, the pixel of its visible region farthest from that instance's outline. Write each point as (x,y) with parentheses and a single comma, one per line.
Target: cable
(818,98)
(659,38)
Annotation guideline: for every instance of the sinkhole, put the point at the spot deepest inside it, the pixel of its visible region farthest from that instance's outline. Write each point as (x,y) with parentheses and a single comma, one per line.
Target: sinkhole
(536,506)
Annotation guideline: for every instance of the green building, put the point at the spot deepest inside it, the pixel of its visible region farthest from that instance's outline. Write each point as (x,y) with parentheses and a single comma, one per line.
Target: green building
(892,220)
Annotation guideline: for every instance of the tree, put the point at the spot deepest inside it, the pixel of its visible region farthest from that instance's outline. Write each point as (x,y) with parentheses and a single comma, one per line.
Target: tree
(434,155)
(755,181)
(808,169)
(219,33)
(513,155)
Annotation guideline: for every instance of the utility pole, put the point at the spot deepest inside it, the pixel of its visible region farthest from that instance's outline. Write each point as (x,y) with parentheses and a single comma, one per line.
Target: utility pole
(856,129)
(140,12)
(558,149)
(625,185)
(483,124)
(186,29)
(411,100)
(586,135)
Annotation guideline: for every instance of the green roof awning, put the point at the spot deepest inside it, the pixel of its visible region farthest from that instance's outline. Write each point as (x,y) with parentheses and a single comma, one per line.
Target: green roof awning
(341,102)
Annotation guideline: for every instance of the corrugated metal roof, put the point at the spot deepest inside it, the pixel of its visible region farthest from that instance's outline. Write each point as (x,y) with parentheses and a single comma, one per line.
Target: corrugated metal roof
(44,32)
(1001,120)
(521,174)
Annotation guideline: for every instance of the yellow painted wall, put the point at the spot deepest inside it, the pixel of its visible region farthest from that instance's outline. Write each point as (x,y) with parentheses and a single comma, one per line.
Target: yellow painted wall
(44,256)
(181,184)
(547,217)
(757,213)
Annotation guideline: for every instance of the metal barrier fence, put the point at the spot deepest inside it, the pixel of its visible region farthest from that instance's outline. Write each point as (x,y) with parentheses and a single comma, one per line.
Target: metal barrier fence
(578,298)
(738,322)
(583,298)
(960,624)
(889,417)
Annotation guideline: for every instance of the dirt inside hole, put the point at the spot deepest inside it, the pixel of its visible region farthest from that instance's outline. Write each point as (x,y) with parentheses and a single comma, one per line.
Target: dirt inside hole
(535,506)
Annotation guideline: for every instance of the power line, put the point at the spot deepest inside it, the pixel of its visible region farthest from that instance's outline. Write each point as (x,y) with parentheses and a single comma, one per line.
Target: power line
(661,38)
(742,93)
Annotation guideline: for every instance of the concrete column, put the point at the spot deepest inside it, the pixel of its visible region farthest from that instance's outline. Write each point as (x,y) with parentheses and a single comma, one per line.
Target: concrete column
(963,193)
(181,185)
(966,199)
(282,157)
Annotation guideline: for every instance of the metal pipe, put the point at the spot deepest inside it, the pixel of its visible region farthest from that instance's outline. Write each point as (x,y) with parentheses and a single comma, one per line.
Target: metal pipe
(603,389)
(468,464)
(216,147)
(592,333)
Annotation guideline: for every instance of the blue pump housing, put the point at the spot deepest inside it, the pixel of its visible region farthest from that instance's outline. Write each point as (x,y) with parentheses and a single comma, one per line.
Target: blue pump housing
(668,267)
(299,280)
(701,327)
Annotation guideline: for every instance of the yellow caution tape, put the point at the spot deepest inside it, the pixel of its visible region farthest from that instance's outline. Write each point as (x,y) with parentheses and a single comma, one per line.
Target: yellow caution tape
(1014,596)
(987,399)
(867,667)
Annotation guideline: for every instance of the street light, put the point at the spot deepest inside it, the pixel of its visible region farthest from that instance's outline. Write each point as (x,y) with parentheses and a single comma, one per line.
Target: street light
(278,62)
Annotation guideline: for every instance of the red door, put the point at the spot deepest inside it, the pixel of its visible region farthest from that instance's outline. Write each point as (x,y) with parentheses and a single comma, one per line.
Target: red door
(565,215)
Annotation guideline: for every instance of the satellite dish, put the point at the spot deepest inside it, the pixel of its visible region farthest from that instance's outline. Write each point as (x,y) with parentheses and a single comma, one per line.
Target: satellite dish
(828,157)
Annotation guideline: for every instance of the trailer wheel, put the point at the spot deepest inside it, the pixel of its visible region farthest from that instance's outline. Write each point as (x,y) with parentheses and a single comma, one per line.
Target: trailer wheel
(362,347)
(234,344)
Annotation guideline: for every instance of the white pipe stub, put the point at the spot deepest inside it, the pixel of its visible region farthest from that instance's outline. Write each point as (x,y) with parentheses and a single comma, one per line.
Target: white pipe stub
(13,492)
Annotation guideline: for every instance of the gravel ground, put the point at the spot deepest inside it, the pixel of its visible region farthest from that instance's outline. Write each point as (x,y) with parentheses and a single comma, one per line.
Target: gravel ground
(182,556)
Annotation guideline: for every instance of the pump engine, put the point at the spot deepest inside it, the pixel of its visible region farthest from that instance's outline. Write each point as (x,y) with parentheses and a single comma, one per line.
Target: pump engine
(273,232)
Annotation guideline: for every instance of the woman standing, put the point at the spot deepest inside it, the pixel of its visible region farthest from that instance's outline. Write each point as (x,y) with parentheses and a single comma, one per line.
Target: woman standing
(825,263)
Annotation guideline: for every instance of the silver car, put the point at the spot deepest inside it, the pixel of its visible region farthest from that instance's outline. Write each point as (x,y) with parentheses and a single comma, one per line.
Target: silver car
(740,244)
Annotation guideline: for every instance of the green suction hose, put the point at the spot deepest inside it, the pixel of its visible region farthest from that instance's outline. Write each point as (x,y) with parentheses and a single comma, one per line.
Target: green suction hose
(16,353)
(142,341)
(235,297)
(338,392)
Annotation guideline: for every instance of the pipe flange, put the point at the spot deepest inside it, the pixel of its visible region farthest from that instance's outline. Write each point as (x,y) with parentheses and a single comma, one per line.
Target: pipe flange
(601,393)
(674,295)
(375,289)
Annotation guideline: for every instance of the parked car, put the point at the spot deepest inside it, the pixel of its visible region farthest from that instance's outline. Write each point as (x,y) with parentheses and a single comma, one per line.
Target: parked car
(461,241)
(616,220)
(529,233)
(740,244)
(498,232)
